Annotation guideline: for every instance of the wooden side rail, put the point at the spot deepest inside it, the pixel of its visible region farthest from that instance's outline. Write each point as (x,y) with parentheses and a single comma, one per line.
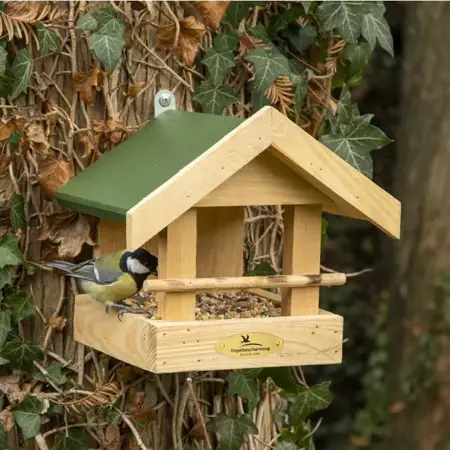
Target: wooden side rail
(234,283)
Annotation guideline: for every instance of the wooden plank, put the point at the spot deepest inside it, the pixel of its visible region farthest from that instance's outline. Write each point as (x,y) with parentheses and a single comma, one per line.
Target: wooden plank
(237,283)
(180,262)
(165,347)
(199,178)
(112,238)
(220,242)
(264,181)
(301,255)
(330,174)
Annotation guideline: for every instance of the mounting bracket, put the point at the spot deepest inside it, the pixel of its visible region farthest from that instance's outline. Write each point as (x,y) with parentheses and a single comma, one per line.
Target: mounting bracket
(164,101)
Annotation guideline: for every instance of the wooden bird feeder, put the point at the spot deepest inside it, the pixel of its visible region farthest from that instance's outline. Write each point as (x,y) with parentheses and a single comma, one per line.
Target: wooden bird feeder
(179,187)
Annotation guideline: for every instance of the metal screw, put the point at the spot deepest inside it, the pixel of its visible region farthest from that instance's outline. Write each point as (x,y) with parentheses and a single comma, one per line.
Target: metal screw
(278,343)
(164,100)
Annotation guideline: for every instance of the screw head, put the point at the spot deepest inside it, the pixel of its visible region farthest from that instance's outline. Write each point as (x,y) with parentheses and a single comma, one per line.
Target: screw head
(164,100)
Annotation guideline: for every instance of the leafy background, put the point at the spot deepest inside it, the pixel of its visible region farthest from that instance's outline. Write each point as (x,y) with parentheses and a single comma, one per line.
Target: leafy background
(76,80)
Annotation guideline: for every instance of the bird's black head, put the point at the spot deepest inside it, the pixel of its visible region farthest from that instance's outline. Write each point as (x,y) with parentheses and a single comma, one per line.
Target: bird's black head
(140,262)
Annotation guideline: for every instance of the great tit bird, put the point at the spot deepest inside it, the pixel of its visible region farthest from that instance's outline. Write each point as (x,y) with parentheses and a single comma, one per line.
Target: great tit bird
(113,277)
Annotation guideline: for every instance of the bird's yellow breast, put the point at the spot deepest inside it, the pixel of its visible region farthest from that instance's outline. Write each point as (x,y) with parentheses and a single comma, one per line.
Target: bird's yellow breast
(121,289)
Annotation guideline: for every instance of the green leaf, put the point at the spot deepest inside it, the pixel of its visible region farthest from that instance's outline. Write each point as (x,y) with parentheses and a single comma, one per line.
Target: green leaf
(49,39)
(54,374)
(21,305)
(286,445)
(112,26)
(259,99)
(214,99)
(310,400)
(3,60)
(261,270)
(281,376)
(244,385)
(107,48)
(9,251)
(218,63)
(236,11)
(281,21)
(226,41)
(14,138)
(5,276)
(357,55)
(27,415)
(344,15)
(6,82)
(22,68)
(3,437)
(104,15)
(75,439)
(18,212)
(5,326)
(21,354)
(259,31)
(301,38)
(87,22)
(375,28)
(232,430)
(268,65)
(3,361)
(301,89)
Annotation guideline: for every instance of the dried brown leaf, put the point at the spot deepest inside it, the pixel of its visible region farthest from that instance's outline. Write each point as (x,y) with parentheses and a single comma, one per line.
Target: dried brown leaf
(29,12)
(281,93)
(54,173)
(137,398)
(128,373)
(134,89)
(7,417)
(37,139)
(69,230)
(191,30)
(112,437)
(11,125)
(88,144)
(212,12)
(57,323)
(4,162)
(85,83)
(143,415)
(197,431)
(109,130)
(248,42)
(10,386)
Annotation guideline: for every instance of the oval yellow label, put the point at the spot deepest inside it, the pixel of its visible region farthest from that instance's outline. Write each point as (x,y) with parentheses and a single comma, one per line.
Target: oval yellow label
(249,345)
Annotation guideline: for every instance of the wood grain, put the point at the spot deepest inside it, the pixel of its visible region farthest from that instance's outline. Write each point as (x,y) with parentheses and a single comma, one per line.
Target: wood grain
(301,255)
(220,242)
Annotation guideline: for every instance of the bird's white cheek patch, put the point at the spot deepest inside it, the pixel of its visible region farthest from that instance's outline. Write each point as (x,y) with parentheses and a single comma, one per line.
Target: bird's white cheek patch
(135,266)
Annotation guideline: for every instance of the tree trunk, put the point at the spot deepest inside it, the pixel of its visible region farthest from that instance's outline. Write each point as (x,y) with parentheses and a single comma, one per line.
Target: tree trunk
(420,363)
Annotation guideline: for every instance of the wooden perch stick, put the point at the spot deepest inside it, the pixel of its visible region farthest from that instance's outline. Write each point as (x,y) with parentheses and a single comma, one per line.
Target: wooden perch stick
(234,283)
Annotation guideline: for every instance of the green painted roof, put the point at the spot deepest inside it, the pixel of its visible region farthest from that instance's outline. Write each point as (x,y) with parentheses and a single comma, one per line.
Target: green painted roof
(135,168)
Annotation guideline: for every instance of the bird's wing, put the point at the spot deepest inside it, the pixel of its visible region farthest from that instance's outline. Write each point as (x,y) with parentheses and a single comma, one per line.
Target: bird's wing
(107,269)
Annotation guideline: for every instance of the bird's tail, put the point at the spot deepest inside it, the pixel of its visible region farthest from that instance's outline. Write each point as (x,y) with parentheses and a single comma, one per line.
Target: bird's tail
(63,266)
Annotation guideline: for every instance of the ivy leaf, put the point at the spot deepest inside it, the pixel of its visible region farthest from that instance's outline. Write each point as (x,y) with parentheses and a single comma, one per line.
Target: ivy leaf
(281,21)
(226,41)
(259,99)
(21,305)
(49,39)
(232,430)
(9,251)
(18,212)
(218,63)
(54,374)
(301,38)
(22,68)
(104,15)
(214,99)
(3,60)
(236,11)
(3,437)
(107,47)
(286,445)
(5,326)
(375,27)
(261,270)
(112,26)
(87,22)
(357,55)
(27,415)
(21,354)
(301,89)
(281,376)
(244,385)
(268,65)
(14,138)
(310,400)
(354,142)
(75,439)
(346,16)
(5,276)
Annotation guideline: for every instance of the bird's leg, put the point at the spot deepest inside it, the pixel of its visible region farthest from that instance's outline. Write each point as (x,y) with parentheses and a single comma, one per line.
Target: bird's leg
(122,309)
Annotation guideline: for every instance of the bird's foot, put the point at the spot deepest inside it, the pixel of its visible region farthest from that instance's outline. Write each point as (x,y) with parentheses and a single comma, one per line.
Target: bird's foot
(121,309)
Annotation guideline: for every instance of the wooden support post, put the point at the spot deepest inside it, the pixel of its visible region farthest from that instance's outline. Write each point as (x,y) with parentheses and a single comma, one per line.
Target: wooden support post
(220,251)
(302,238)
(180,261)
